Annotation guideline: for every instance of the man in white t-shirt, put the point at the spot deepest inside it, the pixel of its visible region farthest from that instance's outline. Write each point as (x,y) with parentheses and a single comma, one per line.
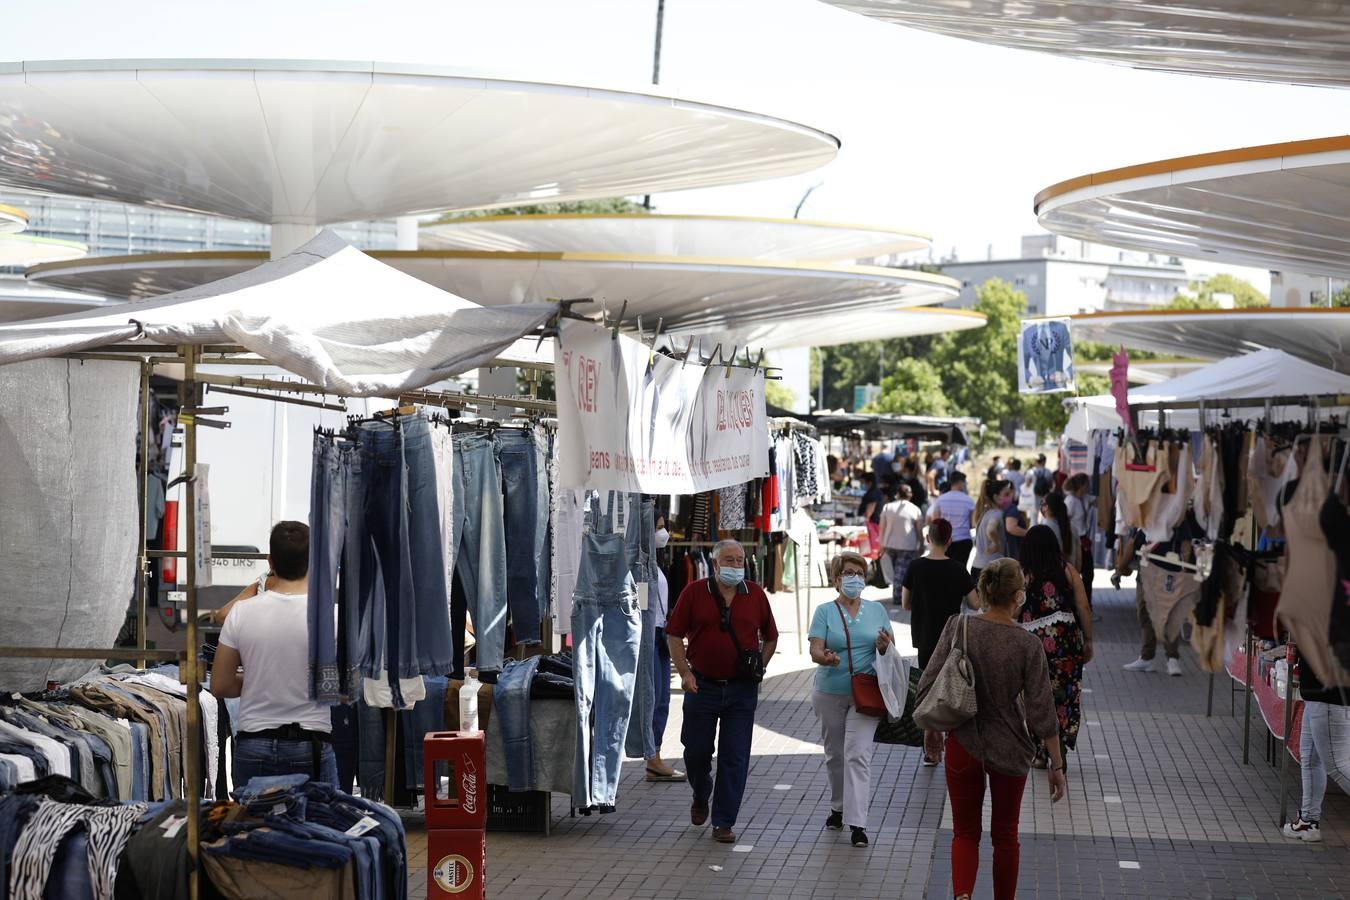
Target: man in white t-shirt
(901,536)
(279,730)
(958,508)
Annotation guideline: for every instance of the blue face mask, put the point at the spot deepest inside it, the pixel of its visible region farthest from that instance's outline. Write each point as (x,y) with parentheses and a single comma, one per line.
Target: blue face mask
(730,576)
(852,586)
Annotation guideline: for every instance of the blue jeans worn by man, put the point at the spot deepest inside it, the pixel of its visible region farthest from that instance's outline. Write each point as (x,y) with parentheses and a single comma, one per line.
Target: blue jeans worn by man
(725,709)
(255,757)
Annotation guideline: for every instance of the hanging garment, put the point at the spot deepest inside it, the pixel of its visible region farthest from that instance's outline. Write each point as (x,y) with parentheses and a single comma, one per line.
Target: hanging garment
(1209,489)
(1335,523)
(1305,602)
(1137,482)
(1167,504)
(606,632)
(1268,471)
(731,510)
(1219,594)
(1170,597)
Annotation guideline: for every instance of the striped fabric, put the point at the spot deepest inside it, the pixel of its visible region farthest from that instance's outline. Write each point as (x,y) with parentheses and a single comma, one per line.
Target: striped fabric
(109,829)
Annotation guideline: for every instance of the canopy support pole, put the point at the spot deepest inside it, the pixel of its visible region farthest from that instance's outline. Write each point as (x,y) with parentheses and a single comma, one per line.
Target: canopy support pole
(189,392)
(142,561)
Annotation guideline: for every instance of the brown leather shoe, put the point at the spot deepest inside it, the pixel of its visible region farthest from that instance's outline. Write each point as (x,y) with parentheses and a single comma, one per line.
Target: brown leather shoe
(724,836)
(698,813)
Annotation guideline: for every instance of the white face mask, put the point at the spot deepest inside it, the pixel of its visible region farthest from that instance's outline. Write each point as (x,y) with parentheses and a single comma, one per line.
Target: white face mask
(662,538)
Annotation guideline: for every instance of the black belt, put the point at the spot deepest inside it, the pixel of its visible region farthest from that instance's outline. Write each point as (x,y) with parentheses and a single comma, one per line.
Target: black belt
(295,734)
(723,682)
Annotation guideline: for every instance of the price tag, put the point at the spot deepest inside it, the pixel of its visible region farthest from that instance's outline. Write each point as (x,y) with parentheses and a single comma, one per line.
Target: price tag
(361,827)
(643,590)
(173,825)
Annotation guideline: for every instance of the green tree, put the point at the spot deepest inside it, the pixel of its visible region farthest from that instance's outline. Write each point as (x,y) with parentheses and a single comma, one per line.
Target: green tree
(979,367)
(914,388)
(610,205)
(1046,412)
(778,394)
(1340,298)
(1200,294)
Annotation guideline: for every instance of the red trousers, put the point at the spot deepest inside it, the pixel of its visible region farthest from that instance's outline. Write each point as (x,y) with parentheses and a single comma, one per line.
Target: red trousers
(966,778)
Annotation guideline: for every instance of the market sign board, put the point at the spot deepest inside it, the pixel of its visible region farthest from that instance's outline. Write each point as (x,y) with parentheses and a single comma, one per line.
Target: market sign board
(1045,357)
(632,421)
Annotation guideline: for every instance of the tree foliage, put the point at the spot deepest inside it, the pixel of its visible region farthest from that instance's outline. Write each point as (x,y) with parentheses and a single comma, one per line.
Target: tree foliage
(610,205)
(914,388)
(1201,294)
(979,367)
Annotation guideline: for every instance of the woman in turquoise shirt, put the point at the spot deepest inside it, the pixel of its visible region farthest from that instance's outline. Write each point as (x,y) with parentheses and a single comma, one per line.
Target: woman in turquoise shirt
(847,733)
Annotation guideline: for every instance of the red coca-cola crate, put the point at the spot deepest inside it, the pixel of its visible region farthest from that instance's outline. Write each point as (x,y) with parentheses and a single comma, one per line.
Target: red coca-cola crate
(462,756)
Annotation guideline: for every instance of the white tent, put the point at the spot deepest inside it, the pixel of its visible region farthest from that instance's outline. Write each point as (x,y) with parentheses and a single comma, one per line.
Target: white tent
(327,312)
(1253,376)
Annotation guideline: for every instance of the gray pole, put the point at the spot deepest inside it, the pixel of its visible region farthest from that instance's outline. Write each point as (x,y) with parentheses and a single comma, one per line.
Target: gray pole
(656,68)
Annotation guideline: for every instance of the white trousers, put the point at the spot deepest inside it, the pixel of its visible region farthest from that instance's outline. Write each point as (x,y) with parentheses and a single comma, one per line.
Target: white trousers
(847,735)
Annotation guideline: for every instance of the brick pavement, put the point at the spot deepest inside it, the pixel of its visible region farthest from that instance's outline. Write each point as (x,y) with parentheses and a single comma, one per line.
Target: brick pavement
(1154,783)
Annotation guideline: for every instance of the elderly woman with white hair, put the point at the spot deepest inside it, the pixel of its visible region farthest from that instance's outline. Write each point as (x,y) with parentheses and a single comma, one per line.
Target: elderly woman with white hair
(846,635)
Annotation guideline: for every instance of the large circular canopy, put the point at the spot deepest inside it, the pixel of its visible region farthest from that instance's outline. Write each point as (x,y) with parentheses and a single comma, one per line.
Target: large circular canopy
(673,235)
(21,299)
(29,250)
(848,327)
(1278,206)
(12,220)
(1296,41)
(1320,336)
(319,142)
(691,295)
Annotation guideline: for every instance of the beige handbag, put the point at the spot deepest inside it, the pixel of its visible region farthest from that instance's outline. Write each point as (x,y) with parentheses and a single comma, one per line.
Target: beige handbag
(950,700)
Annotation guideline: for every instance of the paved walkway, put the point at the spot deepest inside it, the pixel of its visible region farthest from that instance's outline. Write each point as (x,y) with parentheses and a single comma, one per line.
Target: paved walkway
(1160,805)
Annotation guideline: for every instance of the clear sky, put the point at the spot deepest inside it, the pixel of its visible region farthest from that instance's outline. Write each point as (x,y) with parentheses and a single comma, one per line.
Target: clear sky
(941,135)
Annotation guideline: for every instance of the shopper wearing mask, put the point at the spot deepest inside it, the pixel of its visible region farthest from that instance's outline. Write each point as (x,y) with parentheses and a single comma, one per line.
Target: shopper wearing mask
(909,475)
(901,536)
(992,752)
(657,768)
(856,629)
(991,530)
(958,508)
(731,638)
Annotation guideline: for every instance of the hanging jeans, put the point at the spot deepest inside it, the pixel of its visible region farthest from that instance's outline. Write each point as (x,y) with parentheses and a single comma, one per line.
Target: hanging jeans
(328,511)
(525,525)
(480,557)
(426,716)
(511,705)
(1325,749)
(606,630)
(724,710)
(966,778)
(639,741)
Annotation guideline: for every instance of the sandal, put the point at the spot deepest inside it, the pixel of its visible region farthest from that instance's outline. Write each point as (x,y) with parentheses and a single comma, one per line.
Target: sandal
(673,776)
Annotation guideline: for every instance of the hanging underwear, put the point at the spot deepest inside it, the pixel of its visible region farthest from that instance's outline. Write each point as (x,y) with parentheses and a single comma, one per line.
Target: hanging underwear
(1169,597)
(1309,578)
(1209,488)
(1167,505)
(1137,482)
(1268,471)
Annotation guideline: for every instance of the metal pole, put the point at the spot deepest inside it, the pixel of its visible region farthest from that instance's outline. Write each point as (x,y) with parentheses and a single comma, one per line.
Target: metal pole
(188,397)
(1288,731)
(1209,707)
(390,747)
(1247,704)
(797,593)
(656,68)
(142,561)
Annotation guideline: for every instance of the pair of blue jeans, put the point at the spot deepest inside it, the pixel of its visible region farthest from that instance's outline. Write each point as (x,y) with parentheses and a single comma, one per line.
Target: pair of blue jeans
(606,631)
(427,715)
(511,703)
(525,527)
(661,686)
(329,514)
(480,551)
(255,757)
(724,712)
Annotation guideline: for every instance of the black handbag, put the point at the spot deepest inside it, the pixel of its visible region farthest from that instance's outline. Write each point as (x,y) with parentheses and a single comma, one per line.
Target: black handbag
(749,663)
(903,731)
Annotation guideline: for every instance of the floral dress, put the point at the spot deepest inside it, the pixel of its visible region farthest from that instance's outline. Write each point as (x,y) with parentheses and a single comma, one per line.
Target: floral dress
(1049,614)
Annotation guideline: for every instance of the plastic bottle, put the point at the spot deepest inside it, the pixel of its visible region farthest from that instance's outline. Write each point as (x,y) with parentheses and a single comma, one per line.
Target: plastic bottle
(468,701)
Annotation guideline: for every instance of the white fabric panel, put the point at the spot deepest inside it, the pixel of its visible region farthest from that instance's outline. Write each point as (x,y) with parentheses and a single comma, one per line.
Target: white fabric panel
(327,312)
(67,510)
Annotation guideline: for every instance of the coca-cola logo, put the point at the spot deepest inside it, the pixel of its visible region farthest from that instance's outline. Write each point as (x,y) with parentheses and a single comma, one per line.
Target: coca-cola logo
(468,785)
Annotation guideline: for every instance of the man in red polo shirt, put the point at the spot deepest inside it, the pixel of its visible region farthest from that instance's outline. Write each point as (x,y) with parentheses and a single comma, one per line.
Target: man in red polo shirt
(722,617)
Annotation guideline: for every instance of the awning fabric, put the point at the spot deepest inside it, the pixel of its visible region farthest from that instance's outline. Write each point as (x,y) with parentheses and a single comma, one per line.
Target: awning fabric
(326,312)
(1252,376)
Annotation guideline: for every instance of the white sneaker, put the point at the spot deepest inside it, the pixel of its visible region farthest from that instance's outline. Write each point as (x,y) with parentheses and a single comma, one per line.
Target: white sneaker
(1174,667)
(1300,830)
(1141,665)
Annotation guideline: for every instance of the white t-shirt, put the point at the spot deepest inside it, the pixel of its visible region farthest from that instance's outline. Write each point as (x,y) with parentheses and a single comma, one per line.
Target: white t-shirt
(956,507)
(905,527)
(1078,518)
(271,633)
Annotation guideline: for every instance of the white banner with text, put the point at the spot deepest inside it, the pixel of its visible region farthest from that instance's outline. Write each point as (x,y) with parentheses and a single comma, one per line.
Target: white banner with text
(628,421)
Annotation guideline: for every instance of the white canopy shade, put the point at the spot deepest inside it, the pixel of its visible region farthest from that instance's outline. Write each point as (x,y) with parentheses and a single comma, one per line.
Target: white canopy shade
(303,142)
(748,237)
(1254,377)
(327,312)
